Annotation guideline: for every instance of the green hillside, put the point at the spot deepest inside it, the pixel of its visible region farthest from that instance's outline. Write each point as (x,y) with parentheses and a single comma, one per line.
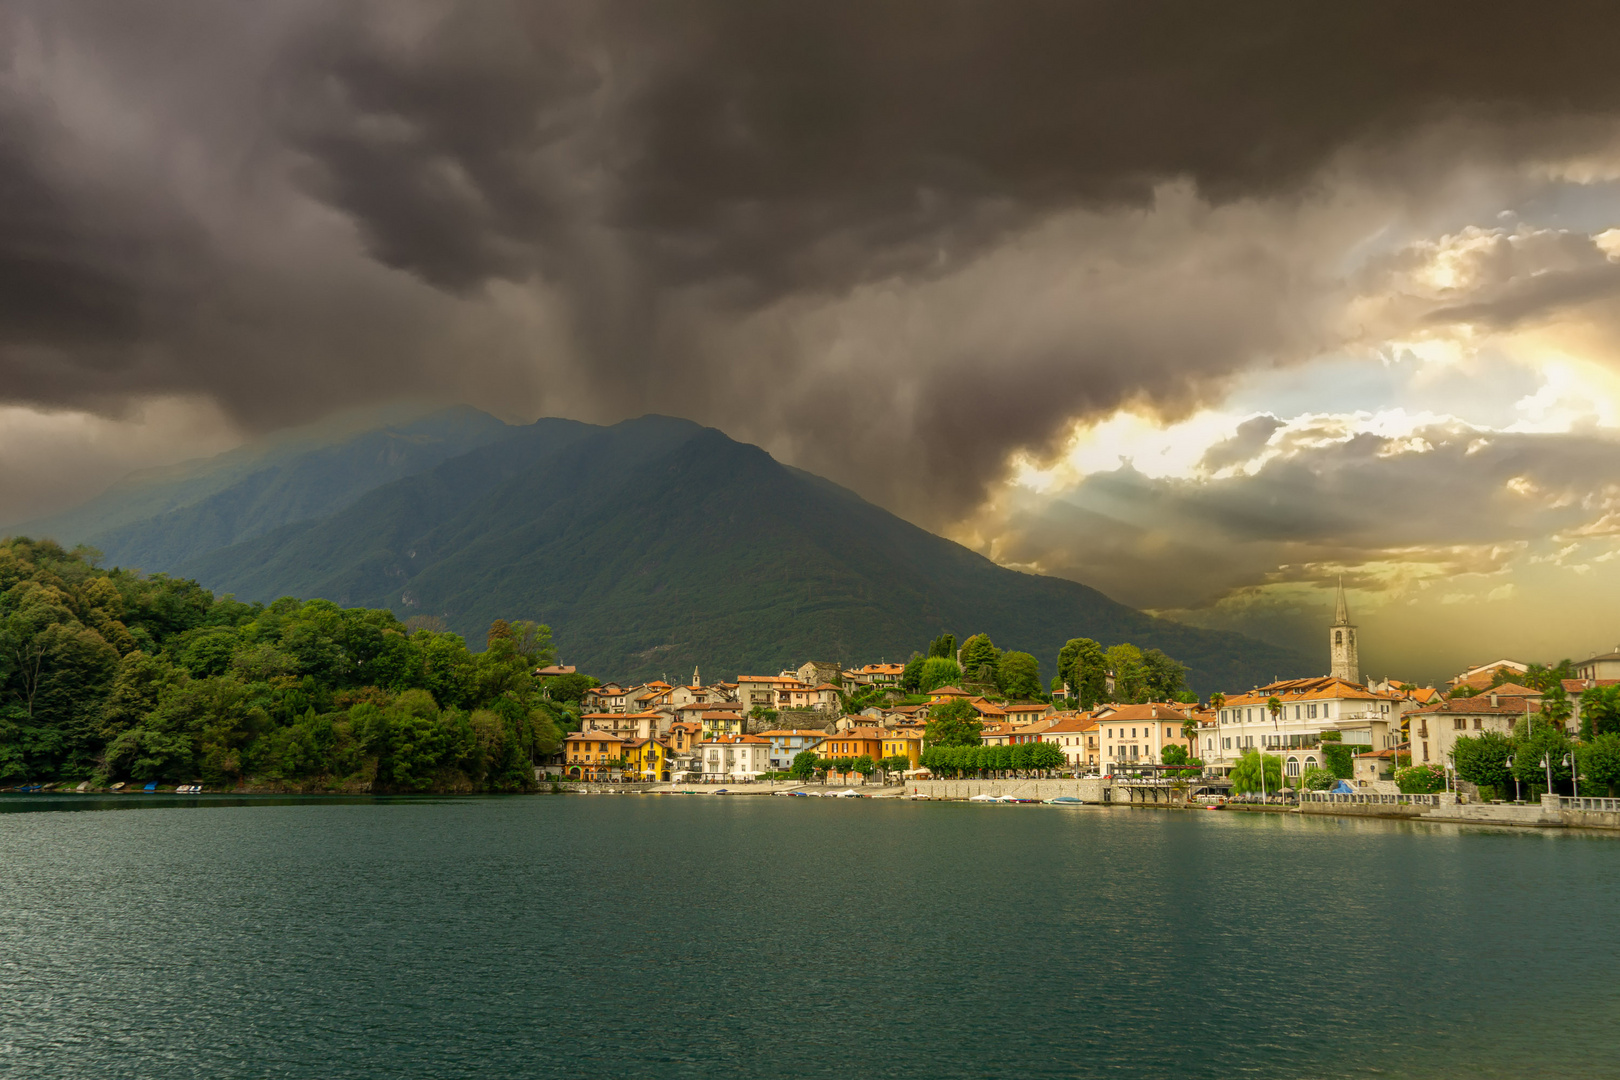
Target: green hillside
(657,545)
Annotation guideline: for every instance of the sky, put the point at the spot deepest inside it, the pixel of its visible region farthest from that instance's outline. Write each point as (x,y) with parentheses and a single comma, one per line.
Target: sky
(1208,306)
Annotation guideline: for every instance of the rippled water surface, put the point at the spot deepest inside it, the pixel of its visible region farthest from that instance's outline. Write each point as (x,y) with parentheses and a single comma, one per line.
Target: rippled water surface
(756,936)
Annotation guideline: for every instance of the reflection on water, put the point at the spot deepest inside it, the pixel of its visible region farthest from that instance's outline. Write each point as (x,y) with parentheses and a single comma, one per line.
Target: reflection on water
(595,936)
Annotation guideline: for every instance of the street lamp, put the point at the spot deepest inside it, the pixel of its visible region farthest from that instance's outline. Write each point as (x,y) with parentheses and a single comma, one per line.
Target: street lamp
(1509,766)
(1574,777)
(1546,763)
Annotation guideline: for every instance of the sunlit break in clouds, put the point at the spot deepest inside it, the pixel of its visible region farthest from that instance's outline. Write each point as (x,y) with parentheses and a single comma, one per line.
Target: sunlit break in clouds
(1204,307)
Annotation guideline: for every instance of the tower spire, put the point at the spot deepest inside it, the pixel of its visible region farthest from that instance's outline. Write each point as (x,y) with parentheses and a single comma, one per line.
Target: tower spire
(1342,642)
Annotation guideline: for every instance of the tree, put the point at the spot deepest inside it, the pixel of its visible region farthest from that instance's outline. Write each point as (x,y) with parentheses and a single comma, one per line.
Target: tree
(1045,756)
(1339,758)
(803,766)
(1020,675)
(1531,745)
(943,647)
(937,671)
(1462,690)
(1556,706)
(1217,700)
(1247,773)
(1600,711)
(864,765)
(981,659)
(1421,779)
(1125,661)
(1163,679)
(1274,706)
(1482,759)
(1318,779)
(911,674)
(953,723)
(568,687)
(1082,666)
(895,763)
(1189,730)
(1600,760)
(1540,677)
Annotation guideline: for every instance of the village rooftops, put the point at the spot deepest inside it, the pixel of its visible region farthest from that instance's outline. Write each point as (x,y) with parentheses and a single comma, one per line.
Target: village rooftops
(949,691)
(1486,704)
(1064,723)
(1149,710)
(1326,688)
(790,733)
(1576,686)
(734,740)
(1510,689)
(593,736)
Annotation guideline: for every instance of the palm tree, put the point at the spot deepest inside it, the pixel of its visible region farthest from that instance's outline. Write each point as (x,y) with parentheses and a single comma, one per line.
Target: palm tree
(1274,706)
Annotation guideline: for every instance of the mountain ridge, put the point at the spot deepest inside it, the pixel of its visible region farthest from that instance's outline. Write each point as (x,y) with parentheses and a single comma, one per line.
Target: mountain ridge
(657,544)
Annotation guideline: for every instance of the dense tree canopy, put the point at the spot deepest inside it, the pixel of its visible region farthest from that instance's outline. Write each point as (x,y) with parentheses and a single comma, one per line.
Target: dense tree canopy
(118,676)
(938,671)
(1020,675)
(1083,667)
(953,723)
(981,660)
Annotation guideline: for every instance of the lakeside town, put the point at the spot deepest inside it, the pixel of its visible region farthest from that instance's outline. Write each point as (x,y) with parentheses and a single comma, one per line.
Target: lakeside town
(1505,731)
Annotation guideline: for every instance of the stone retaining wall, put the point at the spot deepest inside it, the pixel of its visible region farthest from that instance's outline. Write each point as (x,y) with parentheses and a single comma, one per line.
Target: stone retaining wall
(1088,790)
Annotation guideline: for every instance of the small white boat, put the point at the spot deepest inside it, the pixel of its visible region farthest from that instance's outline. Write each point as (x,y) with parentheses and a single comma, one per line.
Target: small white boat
(849,793)
(985,798)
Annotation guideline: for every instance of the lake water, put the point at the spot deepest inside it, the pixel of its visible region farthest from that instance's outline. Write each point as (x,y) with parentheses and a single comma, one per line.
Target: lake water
(751,936)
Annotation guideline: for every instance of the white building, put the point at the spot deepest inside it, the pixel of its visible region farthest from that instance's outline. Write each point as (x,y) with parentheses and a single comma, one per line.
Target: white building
(1075,733)
(1364,719)
(735,757)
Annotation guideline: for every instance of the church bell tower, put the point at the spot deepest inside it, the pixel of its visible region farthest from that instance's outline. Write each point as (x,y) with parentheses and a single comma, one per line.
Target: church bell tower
(1342,643)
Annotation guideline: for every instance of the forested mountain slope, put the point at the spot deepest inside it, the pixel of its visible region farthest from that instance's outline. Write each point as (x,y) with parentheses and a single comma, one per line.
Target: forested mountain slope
(656,545)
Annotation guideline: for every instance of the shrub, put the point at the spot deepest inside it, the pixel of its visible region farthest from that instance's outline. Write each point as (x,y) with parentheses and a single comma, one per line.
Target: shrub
(1318,779)
(1421,779)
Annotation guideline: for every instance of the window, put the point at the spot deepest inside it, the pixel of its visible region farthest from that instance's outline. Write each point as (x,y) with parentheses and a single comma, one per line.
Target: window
(1133,733)
(1478,724)
(1338,637)
(1228,744)
(1293,766)
(1311,711)
(1296,712)
(1459,724)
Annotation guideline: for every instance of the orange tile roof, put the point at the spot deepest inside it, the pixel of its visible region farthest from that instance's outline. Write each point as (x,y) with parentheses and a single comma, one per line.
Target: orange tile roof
(1319,689)
(1151,710)
(1064,723)
(736,739)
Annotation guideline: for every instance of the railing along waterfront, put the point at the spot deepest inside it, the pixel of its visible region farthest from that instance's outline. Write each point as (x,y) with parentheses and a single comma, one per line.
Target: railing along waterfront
(1370,798)
(1583,802)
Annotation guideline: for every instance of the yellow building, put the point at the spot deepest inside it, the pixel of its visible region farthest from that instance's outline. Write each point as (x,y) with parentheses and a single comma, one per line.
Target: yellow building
(592,755)
(647,759)
(906,744)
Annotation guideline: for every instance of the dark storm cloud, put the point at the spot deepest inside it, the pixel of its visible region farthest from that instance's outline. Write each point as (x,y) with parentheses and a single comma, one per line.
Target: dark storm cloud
(1252,436)
(292,207)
